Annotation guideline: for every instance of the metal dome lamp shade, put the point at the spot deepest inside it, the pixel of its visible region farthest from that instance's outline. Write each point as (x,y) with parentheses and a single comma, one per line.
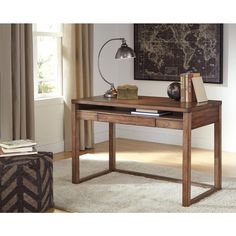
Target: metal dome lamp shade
(124,52)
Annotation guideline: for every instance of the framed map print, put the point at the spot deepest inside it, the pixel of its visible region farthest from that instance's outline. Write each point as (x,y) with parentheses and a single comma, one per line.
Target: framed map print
(164,51)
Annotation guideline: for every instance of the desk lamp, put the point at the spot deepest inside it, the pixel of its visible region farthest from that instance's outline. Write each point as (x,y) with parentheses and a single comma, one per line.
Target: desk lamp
(124,52)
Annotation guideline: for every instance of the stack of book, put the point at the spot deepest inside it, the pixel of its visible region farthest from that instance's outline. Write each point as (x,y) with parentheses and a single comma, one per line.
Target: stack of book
(192,88)
(150,112)
(17,148)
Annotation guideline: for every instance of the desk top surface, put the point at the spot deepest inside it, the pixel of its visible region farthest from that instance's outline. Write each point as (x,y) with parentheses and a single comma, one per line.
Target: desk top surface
(146,102)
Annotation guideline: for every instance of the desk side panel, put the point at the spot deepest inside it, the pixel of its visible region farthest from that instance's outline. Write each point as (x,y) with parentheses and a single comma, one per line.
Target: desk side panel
(205,117)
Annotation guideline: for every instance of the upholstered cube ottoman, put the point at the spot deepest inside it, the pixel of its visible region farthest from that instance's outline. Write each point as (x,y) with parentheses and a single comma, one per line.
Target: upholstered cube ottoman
(26,183)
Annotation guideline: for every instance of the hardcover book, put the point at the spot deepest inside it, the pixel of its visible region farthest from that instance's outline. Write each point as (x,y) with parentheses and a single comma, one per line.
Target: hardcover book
(18,143)
(187,93)
(20,153)
(199,89)
(14,150)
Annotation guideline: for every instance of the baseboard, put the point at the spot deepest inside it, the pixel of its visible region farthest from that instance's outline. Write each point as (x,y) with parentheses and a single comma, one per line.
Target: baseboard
(100,136)
(52,147)
(149,135)
(161,136)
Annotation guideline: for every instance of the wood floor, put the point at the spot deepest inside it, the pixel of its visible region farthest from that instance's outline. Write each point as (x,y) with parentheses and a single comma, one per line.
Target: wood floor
(162,154)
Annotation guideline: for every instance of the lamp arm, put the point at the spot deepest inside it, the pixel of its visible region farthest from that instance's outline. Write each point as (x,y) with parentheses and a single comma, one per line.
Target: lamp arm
(98,61)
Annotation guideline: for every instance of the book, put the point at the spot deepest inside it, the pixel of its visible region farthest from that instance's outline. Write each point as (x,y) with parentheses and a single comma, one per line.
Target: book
(199,89)
(190,91)
(163,113)
(182,88)
(146,110)
(2,154)
(17,143)
(187,93)
(14,150)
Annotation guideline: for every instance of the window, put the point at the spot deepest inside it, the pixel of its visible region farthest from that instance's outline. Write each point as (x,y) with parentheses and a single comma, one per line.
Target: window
(47,60)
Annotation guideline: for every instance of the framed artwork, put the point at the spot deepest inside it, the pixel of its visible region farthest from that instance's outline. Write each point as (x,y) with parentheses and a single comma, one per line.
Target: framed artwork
(164,51)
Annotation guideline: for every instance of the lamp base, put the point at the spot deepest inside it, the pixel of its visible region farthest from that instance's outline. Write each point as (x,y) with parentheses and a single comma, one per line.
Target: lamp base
(111,93)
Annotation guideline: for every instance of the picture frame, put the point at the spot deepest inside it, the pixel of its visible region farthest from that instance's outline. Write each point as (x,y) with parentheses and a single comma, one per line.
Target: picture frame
(164,51)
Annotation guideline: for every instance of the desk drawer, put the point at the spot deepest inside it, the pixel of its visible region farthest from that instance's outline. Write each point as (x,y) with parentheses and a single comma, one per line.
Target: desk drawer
(87,115)
(169,123)
(127,119)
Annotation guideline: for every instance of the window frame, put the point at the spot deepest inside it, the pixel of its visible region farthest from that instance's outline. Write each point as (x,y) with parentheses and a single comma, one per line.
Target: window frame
(58,36)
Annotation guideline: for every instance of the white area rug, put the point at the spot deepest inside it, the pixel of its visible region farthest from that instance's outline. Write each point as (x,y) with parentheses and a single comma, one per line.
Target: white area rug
(116,192)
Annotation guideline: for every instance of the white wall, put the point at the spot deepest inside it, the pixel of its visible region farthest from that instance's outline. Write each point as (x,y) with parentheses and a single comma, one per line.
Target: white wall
(49,114)
(109,68)
(121,72)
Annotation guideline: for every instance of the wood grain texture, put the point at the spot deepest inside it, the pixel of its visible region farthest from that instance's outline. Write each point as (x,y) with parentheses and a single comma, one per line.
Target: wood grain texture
(127,119)
(204,117)
(75,145)
(203,195)
(124,117)
(218,151)
(185,116)
(147,102)
(163,178)
(87,115)
(92,176)
(112,146)
(169,123)
(186,168)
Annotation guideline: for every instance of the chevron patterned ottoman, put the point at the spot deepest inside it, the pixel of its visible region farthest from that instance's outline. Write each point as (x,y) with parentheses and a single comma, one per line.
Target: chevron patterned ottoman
(26,183)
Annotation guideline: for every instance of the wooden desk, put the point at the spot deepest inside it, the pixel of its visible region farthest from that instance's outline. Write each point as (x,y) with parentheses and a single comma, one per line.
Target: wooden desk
(185,116)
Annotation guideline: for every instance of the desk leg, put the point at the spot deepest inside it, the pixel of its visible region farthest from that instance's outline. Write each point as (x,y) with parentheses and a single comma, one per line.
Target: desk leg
(75,145)
(112,146)
(217,153)
(186,165)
